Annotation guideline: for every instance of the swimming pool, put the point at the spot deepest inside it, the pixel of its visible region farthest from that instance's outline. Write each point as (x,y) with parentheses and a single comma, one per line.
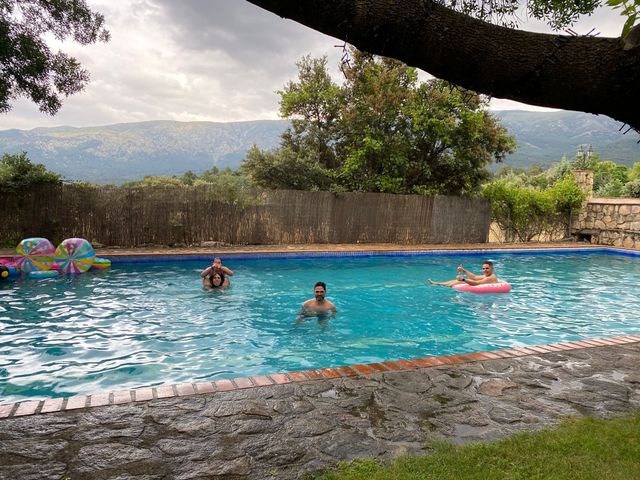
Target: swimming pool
(150,323)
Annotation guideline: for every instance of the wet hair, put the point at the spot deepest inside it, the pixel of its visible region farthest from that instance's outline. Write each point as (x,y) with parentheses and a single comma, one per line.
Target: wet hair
(320,284)
(488,262)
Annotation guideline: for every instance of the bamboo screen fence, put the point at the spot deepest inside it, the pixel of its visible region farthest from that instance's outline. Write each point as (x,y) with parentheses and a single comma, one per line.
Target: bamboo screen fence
(130,217)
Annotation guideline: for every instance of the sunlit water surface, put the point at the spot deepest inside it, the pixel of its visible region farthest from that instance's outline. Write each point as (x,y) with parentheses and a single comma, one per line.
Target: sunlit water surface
(147,324)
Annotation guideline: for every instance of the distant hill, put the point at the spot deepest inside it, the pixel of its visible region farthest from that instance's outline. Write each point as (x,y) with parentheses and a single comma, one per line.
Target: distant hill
(545,137)
(128,151)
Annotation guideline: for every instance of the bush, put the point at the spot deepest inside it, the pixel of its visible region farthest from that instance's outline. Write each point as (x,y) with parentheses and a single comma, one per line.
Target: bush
(286,169)
(632,189)
(527,212)
(613,188)
(17,173)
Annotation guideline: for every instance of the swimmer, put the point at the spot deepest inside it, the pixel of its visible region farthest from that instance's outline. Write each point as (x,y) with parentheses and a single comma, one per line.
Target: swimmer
(217,267)
(318,305)
(488,276)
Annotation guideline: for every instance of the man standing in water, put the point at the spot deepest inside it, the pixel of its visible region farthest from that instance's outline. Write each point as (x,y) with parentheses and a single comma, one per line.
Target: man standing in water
(488,276)
(318,305)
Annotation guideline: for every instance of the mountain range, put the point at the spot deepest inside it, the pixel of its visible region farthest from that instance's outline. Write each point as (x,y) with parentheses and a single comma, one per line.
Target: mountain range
(129,151)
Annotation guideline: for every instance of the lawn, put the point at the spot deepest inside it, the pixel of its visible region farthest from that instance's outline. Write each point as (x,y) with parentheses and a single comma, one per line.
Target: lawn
(578,449)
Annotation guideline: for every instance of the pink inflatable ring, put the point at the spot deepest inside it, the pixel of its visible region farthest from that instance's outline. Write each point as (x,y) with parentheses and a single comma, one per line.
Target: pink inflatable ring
(500,287)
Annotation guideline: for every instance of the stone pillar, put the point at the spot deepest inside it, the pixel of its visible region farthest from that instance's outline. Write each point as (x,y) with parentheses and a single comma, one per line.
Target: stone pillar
(584,178)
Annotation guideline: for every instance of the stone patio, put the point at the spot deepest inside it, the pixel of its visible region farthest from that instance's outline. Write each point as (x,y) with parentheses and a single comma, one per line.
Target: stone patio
(290,428)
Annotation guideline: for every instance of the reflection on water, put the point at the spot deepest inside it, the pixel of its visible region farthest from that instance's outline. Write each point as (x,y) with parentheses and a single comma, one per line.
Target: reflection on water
(147,324)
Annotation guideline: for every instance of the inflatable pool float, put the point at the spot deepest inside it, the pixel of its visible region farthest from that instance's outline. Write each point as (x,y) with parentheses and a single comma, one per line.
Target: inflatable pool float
(100,263)
(7,269)
(34,254)
(43,274)
(500,287)
(74,255)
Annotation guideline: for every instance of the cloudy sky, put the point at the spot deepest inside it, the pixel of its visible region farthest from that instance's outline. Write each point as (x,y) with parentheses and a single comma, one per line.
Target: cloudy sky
(201,60)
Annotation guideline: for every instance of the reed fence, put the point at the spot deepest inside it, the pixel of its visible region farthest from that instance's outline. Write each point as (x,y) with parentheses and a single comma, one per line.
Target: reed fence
(131,217)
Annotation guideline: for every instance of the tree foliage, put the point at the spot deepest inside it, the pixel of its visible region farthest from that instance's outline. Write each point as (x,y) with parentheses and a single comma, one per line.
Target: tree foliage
(28,66)
(609,178)
(556,13)
(380,131)
(286,169)
(527,212)
(533,202)
(228,186)
(632,189)
(634,171)
(17,172)
(629,9)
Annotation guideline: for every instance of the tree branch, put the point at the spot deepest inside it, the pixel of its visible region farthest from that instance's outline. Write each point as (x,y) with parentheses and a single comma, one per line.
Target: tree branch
(589,74)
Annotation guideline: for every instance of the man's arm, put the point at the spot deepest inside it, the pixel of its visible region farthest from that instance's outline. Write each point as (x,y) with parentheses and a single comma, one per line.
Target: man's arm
(303,312)
(469,274)
(205,272)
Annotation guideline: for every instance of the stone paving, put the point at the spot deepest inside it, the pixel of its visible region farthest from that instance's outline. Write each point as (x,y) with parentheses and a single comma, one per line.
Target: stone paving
(292,429)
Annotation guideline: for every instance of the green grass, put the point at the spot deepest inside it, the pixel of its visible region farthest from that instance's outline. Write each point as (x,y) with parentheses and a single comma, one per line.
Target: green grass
(579,449)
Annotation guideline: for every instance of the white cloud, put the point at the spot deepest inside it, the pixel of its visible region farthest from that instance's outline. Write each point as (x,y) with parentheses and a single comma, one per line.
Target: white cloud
(215,60)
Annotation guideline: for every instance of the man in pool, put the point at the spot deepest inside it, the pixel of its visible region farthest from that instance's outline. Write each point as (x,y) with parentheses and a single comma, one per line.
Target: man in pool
(318,305)
(217,267)
(488,276)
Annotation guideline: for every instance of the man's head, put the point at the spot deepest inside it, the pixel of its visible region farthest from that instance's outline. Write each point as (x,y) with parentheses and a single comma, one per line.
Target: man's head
(487,268)
(217,262)
(319,291)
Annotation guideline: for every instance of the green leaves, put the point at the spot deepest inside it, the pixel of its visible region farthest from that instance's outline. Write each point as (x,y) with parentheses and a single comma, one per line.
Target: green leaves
(527,212)
(17,173)
(629,9)
(380,131)
(29,67)
(557,13)
(286,169)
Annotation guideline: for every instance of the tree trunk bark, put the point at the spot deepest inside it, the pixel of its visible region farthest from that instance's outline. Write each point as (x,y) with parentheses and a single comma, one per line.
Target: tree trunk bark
(589,74)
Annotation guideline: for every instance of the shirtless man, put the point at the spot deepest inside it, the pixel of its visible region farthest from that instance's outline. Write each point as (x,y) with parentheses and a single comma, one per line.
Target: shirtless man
(216,267)
(318,305)
(471,278)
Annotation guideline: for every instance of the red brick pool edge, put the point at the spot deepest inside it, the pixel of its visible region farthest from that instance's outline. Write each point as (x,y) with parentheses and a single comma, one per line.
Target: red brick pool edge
(118,397)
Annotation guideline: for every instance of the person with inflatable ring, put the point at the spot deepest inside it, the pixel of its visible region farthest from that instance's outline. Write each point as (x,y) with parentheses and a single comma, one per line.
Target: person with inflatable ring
(488,276)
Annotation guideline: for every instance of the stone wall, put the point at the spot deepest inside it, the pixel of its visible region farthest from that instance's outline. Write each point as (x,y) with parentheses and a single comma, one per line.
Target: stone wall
(610,221)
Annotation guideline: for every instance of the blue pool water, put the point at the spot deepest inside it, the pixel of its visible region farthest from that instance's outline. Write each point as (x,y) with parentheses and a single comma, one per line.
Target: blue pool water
(147,324)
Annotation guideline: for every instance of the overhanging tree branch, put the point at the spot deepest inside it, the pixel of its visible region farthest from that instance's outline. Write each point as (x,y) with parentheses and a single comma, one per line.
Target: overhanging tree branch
(589,74)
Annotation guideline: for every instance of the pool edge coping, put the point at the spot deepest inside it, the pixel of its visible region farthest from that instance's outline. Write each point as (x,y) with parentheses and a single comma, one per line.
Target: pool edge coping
(143,394)
(300,250)
(360,251)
